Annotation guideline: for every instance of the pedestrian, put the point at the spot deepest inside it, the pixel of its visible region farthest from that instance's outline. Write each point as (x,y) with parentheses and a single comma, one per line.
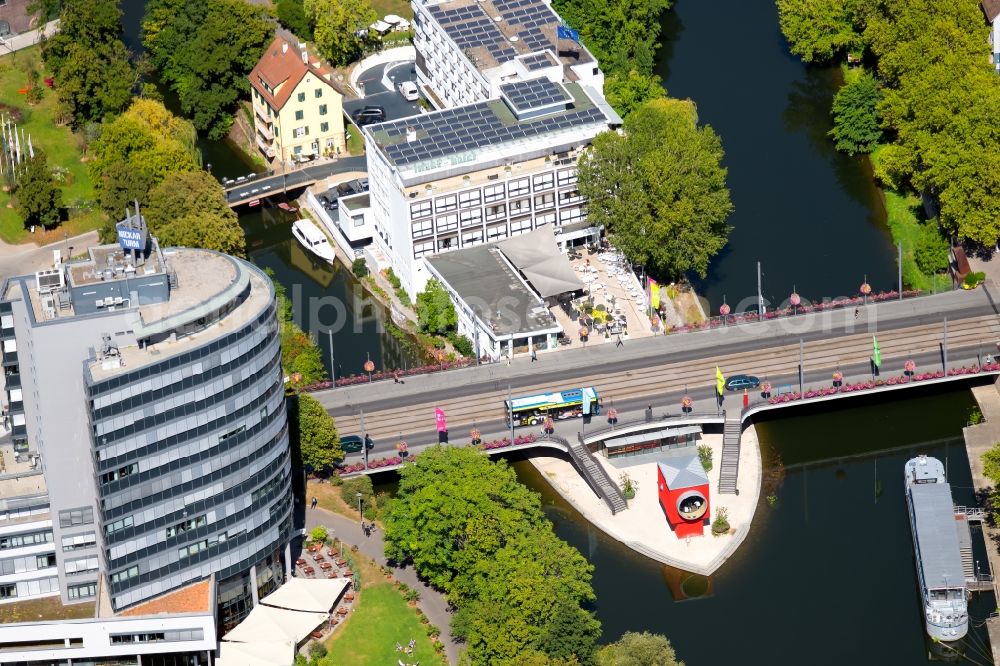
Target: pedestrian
(534,355)
(857,312)
(649,413)
(314,502)
(746,399)
(618,342)
(508,360)
(395,377)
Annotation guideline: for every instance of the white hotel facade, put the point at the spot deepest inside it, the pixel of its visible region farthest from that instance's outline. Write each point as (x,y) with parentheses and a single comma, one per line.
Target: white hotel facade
(516,105)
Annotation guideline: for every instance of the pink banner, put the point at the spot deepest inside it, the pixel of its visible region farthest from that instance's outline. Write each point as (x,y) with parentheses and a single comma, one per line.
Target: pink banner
(439,417)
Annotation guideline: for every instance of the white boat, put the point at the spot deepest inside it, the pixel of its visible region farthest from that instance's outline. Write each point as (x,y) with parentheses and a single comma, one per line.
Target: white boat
(936,546)
(313,239)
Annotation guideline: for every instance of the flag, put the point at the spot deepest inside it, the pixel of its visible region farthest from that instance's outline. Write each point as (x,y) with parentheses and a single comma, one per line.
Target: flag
(442,426)
(17,148)
(720,381)
(31,150)
(566,32)
(654,294)
(585,405)
(876,352)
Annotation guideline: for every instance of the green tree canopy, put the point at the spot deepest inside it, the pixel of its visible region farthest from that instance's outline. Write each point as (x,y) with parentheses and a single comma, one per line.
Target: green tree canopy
(205,230)
(856,123)
(121,186)
(38,198)
(627,92)
(638,649)
(337,24)
(931,251)
(659,188)
(455,507)
(186,192)
(204,52)
(818,30)
(318,441)
(292,15)
(435,311)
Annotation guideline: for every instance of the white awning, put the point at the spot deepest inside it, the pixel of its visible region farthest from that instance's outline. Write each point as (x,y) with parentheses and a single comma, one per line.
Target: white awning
(537,256)
(275,625)
(650,436)
(392,19)
(261,653)
(309,595)
(381,27)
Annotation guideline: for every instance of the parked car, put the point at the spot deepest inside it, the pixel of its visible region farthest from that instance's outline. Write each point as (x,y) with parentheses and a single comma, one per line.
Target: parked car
(363,182)
(352,444)
(368,115)
(740,382)
(408,89)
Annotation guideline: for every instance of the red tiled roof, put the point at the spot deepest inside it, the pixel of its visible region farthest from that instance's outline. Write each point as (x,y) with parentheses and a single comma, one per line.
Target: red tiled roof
(282,64)
(191,599)
(991,8)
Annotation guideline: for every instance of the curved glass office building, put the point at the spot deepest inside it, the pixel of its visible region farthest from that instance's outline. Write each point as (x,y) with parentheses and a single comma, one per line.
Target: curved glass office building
(152,395)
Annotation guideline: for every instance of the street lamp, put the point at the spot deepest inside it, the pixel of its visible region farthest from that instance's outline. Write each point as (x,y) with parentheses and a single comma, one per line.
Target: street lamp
(361,516)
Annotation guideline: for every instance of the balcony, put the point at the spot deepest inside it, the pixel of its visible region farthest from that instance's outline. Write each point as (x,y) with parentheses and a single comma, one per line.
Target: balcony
(264,130)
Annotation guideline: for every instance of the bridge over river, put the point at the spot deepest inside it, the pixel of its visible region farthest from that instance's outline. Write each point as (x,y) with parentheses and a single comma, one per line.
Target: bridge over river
(247,191)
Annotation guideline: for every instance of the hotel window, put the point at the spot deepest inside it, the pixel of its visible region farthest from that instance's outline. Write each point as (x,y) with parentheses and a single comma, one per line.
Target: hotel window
(318,92)
(82,591)
(543,181)
(567,177)
(447,244)
(302,97)
(187,525)
(493,193)
(80,565)
(420,209)
(520,207)
(472,238)
(469,199)
(520,226)
(548,218)
(496,212)
(570,215)
(447,223)
(543,201)
(299,115)
(445,204)
(570,197)
(519,187)
(324,127)
(494,233)
(322,109)
(420,249)
(77,541)
(422,228)
(71,517)
(471,218)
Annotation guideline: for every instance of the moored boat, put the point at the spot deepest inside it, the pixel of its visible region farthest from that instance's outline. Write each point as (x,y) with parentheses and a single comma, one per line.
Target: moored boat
(936,546)
(314,240)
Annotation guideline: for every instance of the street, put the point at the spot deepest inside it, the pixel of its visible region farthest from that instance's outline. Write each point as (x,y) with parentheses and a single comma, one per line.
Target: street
(376,94)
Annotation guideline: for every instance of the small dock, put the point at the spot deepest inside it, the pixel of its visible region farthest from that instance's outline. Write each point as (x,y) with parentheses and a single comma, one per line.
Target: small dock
(978,440)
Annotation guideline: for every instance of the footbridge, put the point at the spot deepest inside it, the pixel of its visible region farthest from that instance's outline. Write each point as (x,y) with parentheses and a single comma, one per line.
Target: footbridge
(245,191)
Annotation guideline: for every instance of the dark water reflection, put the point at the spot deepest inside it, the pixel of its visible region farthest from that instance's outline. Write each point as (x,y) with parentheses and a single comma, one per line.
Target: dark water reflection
(811,215)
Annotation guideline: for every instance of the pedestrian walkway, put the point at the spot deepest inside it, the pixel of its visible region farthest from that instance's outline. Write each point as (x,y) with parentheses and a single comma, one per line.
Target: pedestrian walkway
(432,602)
(25,40)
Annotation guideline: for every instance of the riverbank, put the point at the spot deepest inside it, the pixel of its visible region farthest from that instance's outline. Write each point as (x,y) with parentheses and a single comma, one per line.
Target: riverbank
(643,527)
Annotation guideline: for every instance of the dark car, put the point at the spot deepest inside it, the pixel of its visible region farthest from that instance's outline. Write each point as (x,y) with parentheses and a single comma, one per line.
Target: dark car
(740,382)
(352,444)
(368,115)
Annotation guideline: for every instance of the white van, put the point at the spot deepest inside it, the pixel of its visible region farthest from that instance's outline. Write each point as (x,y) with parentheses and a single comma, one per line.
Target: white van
(408,89)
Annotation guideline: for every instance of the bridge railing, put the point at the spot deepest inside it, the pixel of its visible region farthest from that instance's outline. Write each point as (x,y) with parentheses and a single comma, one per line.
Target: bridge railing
(655,421)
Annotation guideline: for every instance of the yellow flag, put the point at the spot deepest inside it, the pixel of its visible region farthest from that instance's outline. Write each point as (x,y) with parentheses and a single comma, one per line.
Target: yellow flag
(720,381)
(654,294)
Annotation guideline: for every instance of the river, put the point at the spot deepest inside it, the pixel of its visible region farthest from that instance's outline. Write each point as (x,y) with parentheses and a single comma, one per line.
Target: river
(810,215)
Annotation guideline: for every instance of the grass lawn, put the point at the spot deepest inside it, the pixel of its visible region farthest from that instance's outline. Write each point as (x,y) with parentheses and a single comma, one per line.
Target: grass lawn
(355,142)
(48,608)
(905,226)
(381,619)
(59,144)
(328,497)
(397,7)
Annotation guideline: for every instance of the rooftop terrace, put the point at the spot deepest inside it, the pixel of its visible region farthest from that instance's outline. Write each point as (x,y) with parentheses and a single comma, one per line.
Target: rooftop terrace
(44,608)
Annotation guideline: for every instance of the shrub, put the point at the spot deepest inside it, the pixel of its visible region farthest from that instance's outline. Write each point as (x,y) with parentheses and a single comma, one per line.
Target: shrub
(629,485)
(721,523)
(360,484)
(317,650)
(359,268)
(393,279)
(931,251)
(318,534)
(973,280)
(705,455)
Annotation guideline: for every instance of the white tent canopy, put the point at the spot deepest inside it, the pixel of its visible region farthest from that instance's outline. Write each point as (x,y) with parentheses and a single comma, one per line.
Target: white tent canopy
(537,256)
(275,625)
(261,653)
(314,596)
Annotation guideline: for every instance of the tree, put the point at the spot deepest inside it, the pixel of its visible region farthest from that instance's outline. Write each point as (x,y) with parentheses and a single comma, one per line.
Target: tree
(856,123)
(319,444)
(210,231)
(300,357)
(435,311)
(292,15)
(635,649)
(818,30)
(659,189)
(337,27)
(200,55)
(192,193)
(122,185)
(455,507)
(39,200)
(931,251)
(627,92)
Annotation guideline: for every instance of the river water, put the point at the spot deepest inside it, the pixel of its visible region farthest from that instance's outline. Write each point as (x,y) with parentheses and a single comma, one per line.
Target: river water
(809,214)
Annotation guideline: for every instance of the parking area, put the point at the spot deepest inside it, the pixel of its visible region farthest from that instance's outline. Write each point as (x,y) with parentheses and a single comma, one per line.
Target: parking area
(376,94)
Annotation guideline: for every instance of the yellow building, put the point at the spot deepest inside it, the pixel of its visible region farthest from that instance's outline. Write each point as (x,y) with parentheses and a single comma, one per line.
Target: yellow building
(298,109)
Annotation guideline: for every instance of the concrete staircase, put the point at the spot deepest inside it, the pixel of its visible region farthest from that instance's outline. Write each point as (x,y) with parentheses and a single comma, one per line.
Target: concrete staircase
(730,469)
(595,475)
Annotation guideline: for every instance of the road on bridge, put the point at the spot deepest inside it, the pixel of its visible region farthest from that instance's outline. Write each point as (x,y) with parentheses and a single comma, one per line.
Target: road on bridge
(659,371)
(261,187)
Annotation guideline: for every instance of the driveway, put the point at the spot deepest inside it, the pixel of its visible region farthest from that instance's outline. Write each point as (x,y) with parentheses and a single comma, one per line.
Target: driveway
(377,94)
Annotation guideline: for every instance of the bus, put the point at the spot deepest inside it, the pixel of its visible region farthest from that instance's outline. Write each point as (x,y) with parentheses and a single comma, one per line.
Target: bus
(532,409)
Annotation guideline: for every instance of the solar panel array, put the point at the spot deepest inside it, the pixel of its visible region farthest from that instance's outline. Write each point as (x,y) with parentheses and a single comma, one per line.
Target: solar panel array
(471,27)
(532,16)
(469,127)
(534,94)
(537,61)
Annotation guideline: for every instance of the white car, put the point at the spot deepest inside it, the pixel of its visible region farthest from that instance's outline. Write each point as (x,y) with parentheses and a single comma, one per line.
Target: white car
(408,89)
